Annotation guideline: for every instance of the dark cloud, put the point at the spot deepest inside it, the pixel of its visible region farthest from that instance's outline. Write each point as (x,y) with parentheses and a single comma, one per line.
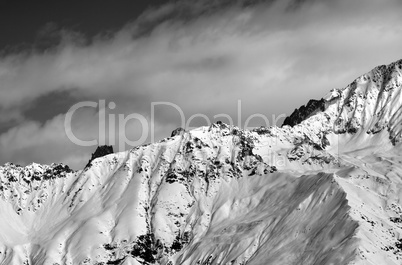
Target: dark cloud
(49,105)
(5,125)
(209,64)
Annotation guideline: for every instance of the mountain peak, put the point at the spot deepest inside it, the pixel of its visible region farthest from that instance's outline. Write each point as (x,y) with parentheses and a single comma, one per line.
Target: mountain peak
(370,104)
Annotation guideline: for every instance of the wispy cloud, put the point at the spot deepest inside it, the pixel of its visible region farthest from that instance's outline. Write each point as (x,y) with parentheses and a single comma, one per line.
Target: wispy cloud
(274,57)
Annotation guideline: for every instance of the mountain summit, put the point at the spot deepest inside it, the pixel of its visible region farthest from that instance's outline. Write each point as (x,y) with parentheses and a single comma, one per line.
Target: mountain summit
(372,102)
(325,188)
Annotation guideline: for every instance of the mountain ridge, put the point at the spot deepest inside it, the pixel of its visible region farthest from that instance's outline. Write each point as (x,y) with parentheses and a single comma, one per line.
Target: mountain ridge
(359,103)
(326,190)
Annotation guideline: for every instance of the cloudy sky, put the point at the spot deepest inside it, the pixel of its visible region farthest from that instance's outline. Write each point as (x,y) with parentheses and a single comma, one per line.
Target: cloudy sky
(204,58)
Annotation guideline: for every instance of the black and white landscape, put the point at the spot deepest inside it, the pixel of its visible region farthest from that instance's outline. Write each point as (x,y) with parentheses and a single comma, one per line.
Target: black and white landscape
(202,133)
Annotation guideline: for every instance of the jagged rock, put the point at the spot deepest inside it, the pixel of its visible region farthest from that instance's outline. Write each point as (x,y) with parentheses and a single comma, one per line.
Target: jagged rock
(304,112)
(100,152)
(178,131)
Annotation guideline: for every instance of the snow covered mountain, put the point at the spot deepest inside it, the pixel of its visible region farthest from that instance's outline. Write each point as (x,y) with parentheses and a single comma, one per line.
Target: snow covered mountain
(325,188)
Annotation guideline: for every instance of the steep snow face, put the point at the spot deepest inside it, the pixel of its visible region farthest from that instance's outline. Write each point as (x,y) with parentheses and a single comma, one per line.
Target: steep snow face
(370,104)
(373,102)
(372,182)
(325,191)
(209,196)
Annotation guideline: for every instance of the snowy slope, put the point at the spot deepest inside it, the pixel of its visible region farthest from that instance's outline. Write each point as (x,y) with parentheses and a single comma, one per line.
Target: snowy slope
(325,191)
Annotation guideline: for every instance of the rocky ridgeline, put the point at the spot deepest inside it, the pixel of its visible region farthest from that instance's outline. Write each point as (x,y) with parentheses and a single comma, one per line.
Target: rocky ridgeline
(302,113)
(202,161)
(26,187)
(371,103)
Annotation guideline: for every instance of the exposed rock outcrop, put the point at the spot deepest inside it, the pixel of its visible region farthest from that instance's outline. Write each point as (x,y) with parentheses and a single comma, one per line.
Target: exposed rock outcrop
(304,112)
(100,152)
